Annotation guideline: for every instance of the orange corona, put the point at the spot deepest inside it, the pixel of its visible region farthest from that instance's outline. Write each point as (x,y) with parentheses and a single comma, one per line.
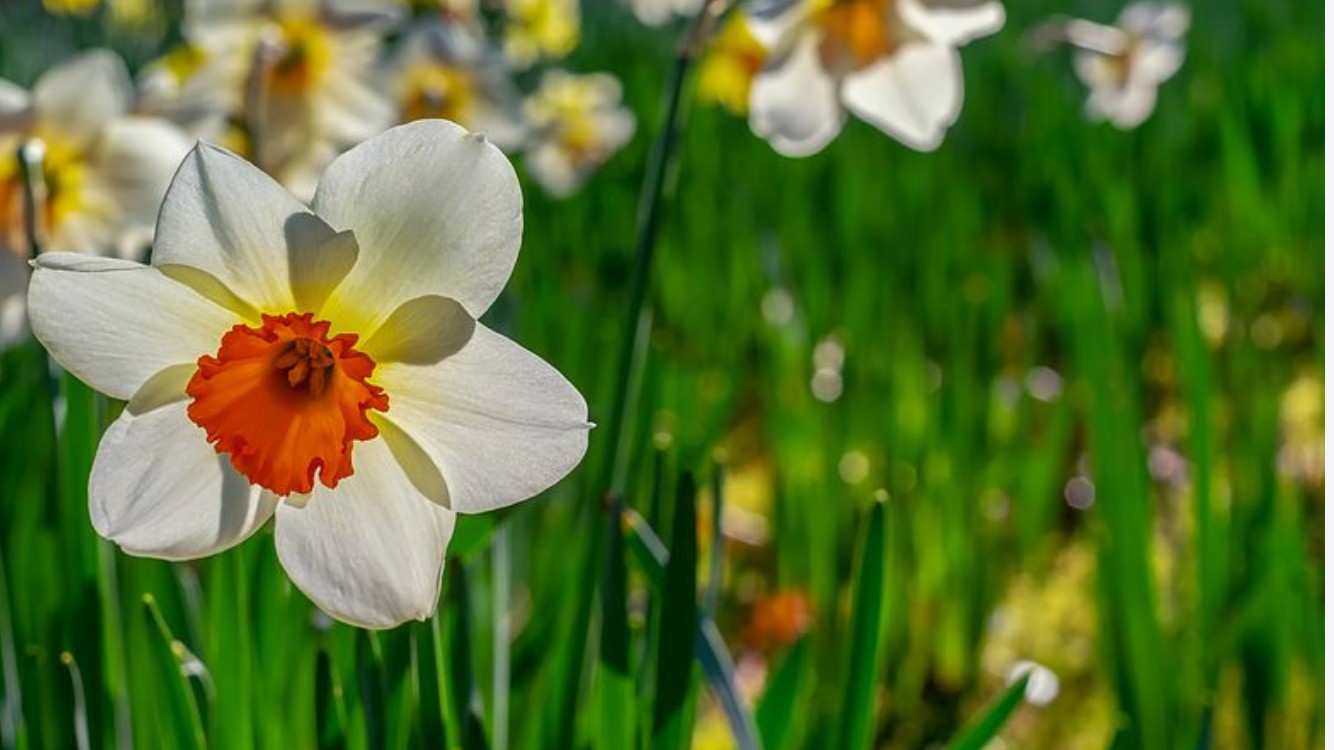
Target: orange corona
(285,401)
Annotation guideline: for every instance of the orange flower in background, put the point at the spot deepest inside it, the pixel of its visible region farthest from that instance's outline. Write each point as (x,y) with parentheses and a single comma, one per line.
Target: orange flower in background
(777,620)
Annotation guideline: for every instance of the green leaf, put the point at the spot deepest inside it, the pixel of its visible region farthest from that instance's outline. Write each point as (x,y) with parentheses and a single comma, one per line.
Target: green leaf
(986,725)
(179,719)
(673,706)
(614,693)
(858,713)
(778,706)
(720,671)
(330,716)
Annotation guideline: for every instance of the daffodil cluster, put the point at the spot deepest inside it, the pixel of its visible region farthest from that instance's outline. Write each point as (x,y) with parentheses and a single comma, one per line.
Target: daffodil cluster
(290,84)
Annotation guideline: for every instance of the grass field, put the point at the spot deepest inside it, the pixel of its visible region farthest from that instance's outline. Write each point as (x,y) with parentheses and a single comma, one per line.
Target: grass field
(1053,393)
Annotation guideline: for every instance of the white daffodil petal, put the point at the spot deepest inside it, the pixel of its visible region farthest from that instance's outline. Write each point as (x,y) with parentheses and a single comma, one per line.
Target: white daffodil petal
(422,331)
(1156,62)
(115,323)
(15,105)
(158,489)
(501,424)
(77,98)
(794,105)
(13,307)
(450,226)
(953,23)
(1126,107)
(369,553)
(913,95)
(133,161)
(224,216)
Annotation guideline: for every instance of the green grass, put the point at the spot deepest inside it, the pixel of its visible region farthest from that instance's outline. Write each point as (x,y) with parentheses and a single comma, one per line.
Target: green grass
(1031,238)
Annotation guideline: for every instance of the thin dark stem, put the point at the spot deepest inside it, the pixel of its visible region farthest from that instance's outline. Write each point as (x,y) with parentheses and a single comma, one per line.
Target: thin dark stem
(637,326)
(31,155)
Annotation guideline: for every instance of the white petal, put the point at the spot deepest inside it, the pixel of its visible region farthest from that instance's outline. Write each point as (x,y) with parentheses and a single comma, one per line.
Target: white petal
(133,162)
(422,331)
(114,323)
(914,95)
(13,307)
(1125,106)
(15,106)
(955,23)
(501,424)
(158,489)
(435,210)
(224,216)
(78,97)
(1155,62)
(794,104)
(369,552)
(1162,21)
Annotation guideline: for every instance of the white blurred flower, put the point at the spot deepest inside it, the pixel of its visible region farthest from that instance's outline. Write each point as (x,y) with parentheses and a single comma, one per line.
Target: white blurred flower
(446,72)
(1124,65)
(270,344)
(576,123)
(659,12)
(537,29)
(1043,684)
(103,172)
(893,63)
(292,78)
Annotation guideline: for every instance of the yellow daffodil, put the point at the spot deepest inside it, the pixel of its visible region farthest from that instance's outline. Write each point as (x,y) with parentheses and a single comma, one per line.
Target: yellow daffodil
(447,72)
(1124,65)
(322,366)
(729,65)
(893,63)
(536,29)
(577,123)
(102,172)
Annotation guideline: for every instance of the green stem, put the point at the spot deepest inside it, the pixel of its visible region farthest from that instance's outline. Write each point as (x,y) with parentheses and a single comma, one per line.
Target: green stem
(637,325)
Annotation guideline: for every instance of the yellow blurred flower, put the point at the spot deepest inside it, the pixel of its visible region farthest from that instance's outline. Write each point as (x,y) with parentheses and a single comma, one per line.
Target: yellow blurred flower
(731,61)
(535,29)
(71,7)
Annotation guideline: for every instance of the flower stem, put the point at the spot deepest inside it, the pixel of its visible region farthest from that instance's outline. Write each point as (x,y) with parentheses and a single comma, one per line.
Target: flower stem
(638,321)
(31,155)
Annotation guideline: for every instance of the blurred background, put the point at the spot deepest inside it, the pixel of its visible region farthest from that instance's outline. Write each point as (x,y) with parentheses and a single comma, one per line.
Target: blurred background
(1063,383)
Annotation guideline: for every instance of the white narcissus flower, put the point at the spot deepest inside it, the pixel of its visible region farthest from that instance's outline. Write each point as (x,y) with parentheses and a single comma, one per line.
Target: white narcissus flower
(103,172)
(576,124)
(448,72)
(320,366)
(893,63)
(296,75)
(1124,65)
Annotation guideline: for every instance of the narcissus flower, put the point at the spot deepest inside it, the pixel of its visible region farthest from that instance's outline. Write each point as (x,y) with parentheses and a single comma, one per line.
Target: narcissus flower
(576,123)
(320,366)
(893,63)
(730,63)
(448,72)
(102,172)
(294,77)
(1124,65)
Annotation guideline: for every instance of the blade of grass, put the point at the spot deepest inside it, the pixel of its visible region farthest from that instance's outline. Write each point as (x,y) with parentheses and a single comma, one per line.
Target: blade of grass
(866,643)
(986,725)
(330,718)
(778,707)
(80,708)
(614,695)
(679,620)
(179,720)
(720,671)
